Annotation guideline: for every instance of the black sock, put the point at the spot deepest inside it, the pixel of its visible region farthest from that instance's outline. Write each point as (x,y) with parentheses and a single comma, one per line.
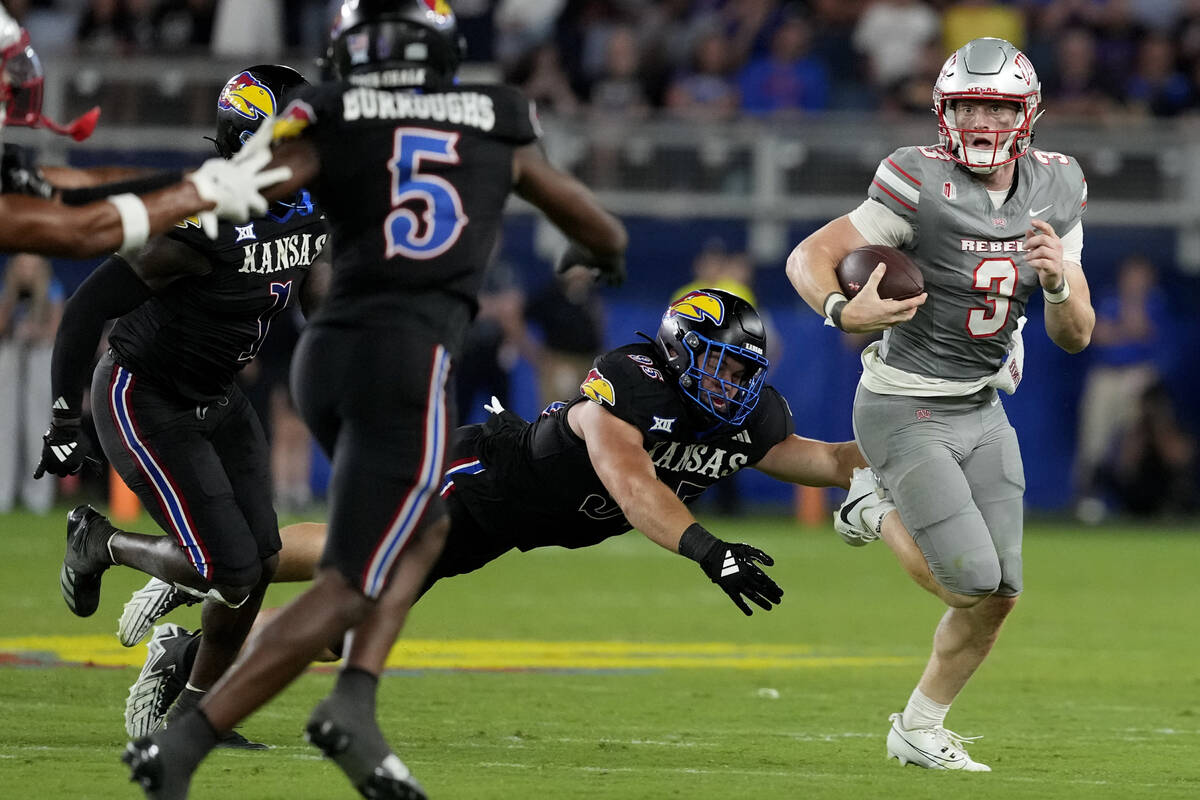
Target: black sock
(189,655)
(355,689)
(189,739)
(187,700)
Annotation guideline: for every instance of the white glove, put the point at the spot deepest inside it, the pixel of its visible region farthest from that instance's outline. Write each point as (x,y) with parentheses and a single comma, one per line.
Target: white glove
(234,184)
(1008,377)
(495,406)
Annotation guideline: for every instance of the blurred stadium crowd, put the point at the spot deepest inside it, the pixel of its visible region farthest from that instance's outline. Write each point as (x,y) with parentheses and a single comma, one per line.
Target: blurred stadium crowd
(1102,59)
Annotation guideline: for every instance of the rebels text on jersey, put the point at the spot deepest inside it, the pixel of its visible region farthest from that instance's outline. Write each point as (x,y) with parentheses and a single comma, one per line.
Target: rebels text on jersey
(416,203)
(971,253)
(197,332)
(539,486)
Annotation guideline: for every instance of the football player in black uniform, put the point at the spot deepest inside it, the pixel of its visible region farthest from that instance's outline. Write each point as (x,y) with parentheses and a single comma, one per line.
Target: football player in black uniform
(413,171)
(655,424)
(169,415)
(96,217)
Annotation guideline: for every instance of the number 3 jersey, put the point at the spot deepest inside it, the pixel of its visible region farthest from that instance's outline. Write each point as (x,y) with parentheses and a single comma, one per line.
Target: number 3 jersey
(972,254)
(414,183)
(537,483)
(196,333)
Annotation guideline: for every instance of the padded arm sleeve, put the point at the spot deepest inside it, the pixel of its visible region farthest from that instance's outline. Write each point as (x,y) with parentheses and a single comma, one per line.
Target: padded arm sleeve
(111,290)
(148,183)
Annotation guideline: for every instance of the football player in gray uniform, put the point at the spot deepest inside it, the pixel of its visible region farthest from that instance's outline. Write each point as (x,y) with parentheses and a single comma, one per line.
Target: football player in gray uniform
(988,219)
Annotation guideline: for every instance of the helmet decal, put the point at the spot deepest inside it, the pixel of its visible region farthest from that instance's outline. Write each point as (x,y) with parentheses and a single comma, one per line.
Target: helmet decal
(246,95)
(699,305)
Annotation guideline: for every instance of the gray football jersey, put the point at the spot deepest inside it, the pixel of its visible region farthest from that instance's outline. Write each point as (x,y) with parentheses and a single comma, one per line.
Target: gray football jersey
(971,254)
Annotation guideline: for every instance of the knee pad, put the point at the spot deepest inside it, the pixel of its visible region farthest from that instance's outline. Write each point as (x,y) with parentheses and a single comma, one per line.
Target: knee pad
(231,587)
(975,573)
(231,596)
(961,554)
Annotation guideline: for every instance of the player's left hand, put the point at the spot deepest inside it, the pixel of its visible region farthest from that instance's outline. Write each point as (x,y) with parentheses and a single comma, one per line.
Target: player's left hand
(608,269)
(1044,252)
(65,450)
(732,567)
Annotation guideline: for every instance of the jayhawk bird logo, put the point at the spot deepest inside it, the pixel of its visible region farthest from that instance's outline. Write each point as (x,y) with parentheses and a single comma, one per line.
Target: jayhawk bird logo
(247,97)
(598,388)
(699,306)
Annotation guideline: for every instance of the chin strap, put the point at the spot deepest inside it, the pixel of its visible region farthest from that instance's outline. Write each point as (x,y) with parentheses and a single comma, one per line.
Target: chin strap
(78,129)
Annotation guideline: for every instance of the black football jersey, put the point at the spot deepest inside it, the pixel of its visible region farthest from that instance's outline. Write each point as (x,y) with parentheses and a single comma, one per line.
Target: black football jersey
(197,332)
(414,183)
(538,484)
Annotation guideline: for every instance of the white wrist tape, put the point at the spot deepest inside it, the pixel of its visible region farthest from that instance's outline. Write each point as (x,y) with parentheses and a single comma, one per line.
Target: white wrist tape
(1060,295)
(135,222)
(832,300)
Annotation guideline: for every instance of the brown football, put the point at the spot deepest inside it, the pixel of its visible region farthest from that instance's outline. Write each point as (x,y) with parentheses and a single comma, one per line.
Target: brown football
(902,280)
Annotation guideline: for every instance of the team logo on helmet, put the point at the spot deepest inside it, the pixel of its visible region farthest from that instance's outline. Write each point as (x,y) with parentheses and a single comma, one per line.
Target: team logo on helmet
(699,306)
(598,388)
(247,97)
(439,7)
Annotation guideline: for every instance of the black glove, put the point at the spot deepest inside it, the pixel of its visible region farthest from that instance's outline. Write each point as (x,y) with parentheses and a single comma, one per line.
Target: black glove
(732,567)
(608,269)
(19,173)
(65,450)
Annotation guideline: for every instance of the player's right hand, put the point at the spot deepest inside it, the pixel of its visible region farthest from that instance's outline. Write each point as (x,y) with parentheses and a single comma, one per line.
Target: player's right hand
(867,312)
(65,450)
(235,185)
(732,567)
(608,269)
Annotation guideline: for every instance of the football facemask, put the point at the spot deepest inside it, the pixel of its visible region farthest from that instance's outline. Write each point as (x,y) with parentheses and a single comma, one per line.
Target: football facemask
(986,71)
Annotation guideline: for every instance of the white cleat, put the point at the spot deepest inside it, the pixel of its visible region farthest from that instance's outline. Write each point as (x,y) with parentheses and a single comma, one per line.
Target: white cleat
(932,748)
(148,605)
(860,518)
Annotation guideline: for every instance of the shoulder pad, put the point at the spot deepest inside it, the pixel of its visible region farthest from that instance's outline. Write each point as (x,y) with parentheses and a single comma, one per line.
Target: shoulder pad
(898,179)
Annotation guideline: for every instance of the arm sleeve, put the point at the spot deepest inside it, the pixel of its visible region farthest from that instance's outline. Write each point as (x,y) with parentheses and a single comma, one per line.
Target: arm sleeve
(110,291)
(1072,244)
(878,224)
(149,183)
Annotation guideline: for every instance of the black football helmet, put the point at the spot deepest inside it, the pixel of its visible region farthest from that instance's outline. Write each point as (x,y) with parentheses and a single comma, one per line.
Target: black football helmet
(247,99)
(374,35)
(698,333)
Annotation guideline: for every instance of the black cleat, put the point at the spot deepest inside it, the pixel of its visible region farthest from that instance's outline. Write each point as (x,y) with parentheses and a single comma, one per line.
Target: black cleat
(387,779)
(235,741)
(87,556)
(150,770)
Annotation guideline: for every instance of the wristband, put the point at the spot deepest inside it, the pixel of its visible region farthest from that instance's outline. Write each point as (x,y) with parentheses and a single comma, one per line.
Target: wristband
(135,222)
(835,302)
(1060,294)
(696,543)
(832,299)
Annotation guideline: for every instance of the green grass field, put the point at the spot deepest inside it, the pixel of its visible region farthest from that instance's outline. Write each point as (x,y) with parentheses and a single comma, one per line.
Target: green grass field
(620,672)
